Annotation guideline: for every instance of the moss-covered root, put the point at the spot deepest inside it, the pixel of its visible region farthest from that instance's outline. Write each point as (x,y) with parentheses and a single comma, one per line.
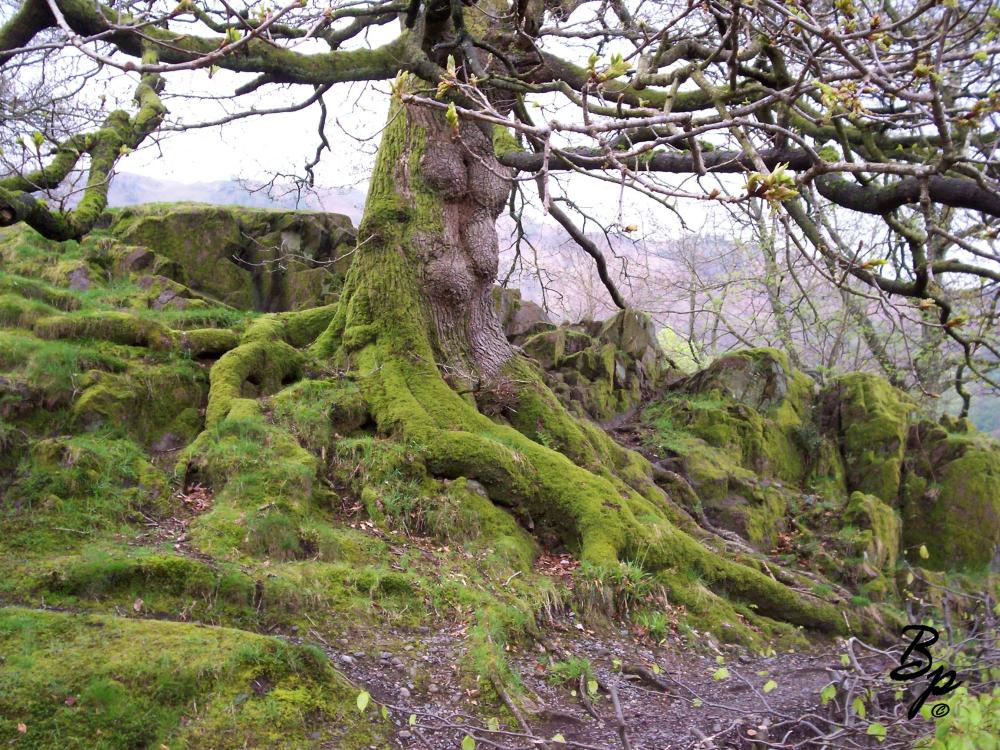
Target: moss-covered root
(131,330)
(604,518)
(266,364)
(588,508)
(266,358)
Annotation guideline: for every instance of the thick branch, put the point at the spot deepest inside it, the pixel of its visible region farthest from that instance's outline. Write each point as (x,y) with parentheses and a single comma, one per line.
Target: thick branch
(118,135)
(678,162)
(31,17)
(947,191)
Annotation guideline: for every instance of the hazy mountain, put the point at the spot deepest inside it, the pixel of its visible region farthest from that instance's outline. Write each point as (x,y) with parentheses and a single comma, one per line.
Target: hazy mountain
(129,189)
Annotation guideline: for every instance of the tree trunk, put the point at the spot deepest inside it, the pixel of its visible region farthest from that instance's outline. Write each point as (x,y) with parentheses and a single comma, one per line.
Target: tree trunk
(416,324)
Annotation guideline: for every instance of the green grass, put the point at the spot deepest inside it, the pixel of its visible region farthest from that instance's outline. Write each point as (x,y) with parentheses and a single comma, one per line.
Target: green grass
(569,671)
(56,367)
(69,489)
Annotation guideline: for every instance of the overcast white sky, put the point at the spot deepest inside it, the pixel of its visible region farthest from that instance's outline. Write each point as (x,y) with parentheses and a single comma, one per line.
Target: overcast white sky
(255,148)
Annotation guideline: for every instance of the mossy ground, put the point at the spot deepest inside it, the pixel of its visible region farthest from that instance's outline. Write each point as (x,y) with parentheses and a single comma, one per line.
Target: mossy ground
(102,401)
(199,483)
(93,681)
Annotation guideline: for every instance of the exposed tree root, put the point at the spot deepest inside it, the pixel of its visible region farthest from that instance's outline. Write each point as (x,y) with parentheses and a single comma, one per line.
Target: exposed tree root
(394,330)
(266,356)
(131,330)
(597,497)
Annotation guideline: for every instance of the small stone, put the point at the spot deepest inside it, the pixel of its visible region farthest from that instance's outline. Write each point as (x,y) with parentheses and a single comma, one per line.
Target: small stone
(432,689)
(405,735)
(79,279)
(347,660)
(408,647)
(359,654)
(397,664)
(385,656)
(404,693)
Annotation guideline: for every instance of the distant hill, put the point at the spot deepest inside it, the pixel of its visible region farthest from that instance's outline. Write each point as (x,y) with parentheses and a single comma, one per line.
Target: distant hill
(128,189)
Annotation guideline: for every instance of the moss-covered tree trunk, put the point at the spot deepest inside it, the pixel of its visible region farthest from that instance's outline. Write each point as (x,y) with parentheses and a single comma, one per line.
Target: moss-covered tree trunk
(416,325)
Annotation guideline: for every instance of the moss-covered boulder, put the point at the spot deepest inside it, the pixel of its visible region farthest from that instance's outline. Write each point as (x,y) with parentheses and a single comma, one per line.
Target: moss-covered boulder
(598,370)
(950,495)
(520,318)
(86,681)
(70,488)
(756,407)
(150,402)
(759,378)
(869,420)
(879,527)
(256,259)
(631,331)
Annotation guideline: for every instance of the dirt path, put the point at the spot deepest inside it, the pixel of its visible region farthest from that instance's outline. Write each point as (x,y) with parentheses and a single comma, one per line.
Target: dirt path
(671,697)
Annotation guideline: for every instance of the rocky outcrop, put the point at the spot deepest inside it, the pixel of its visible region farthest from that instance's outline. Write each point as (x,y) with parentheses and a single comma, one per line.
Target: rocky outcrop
(869,420)
(950,494)
(519,318)
(864,479)
(252,259)
(878,539)
(739,431)
(598,369)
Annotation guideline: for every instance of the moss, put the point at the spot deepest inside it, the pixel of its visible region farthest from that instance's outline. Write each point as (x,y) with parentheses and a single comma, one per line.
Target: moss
(302,327)
(203,241)
(54,367)
(104,682)
(881,543)
(951,497)
(146,401)
(465,515)
(18,312)
(868,418)
(316,411)
(504,141)
(99,574)
(208,342)
(264,484)
(249,258)
(546,348)
(268,364)
(117,327)
(765,517)
(751,404)
(70,488)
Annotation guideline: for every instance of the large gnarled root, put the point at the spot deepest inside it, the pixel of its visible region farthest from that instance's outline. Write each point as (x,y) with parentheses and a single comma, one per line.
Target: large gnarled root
(266,356)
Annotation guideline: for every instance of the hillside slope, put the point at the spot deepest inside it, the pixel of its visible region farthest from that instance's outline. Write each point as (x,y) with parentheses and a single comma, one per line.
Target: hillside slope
(207,544)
